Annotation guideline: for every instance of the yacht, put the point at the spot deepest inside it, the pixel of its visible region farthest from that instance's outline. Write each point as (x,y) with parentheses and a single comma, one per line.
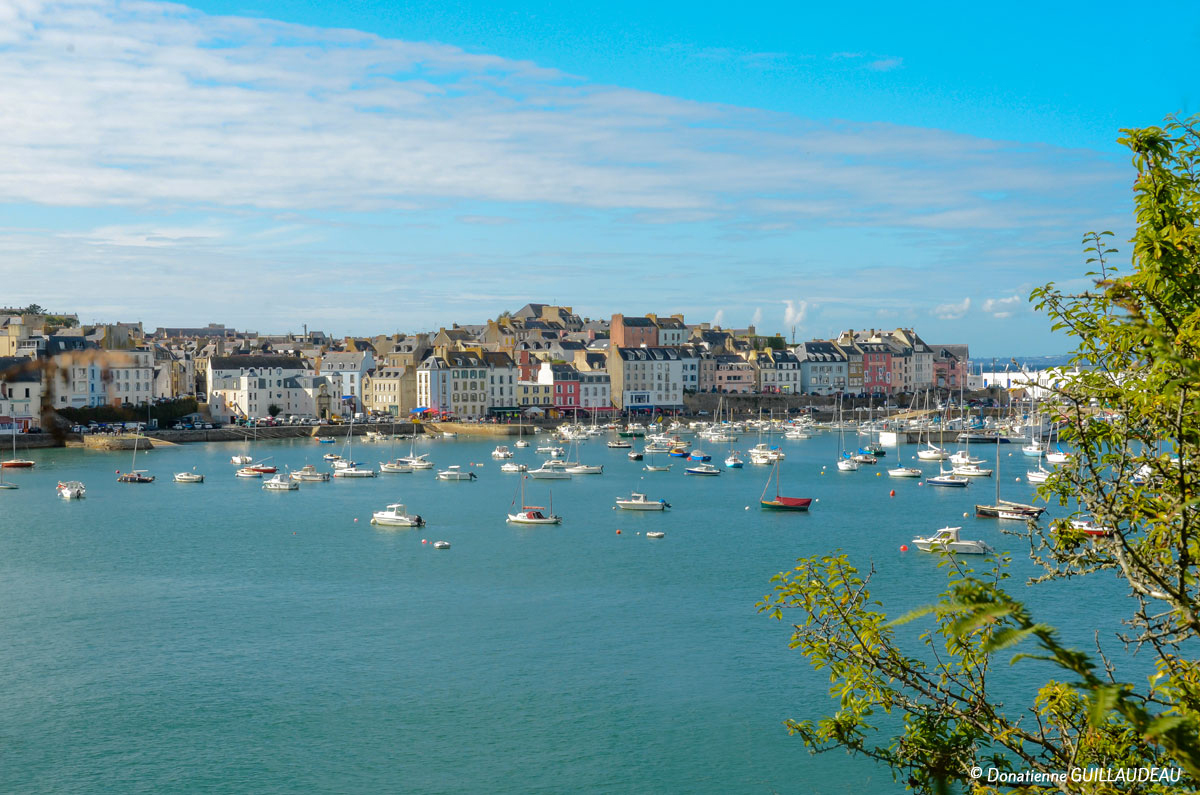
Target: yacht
(308,473)
(972,471)
(188,477)
(502,451)
(1038,475)
(512,467)
(354,471)
(702,469)
(454,472)
(549,473)
(395,467)
(441,544)
(584,469)
(639,502)
(240,460)
(417,461)
(396,515)
(280,483)
(71,490)
(944,478)
(948,538)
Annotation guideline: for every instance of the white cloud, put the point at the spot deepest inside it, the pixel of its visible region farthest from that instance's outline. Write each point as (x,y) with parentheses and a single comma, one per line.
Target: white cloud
(952,311)
(756,319)
(885,64)
(719,318)
(794,312)
(149,105)
(1001,307)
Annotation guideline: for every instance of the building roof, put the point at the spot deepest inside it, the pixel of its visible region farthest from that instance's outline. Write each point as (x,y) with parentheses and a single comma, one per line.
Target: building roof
(247,362)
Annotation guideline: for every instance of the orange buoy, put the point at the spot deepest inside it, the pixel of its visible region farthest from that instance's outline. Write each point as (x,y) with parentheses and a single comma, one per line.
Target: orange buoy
(618,532)
(892,493)
(904,547)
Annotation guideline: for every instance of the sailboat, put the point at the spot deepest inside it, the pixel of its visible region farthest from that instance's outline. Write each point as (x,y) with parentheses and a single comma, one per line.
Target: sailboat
(931,452)
(14,462)
(395,465)
(1007,507)
(3,484)
(781,503)
(901,471)
(135,475)
(532,514)
(246,458)
(844,462)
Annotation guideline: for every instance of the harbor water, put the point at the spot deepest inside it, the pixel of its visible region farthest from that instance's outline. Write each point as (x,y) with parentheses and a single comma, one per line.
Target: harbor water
(217,637)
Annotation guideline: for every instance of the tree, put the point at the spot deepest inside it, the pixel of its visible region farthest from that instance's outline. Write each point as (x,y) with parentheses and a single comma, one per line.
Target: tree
(1132,412)
(33,309)
(273,410)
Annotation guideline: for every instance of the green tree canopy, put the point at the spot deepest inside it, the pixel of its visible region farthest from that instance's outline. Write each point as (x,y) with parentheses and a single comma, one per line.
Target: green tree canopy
(1132,413)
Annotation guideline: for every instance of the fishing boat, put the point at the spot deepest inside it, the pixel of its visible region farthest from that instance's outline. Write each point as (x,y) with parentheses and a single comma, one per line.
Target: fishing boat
(702,469)
(247,472)
(71,490)
(280,482)
(639,502)
(947,538)
(513,467)
(395,467)
(325,440)
(781,503)
(354,471)
(396,515)
(533,514)
(309,474)
(619,444)
(188,477)
(454,472)
(733,462)
(502,451)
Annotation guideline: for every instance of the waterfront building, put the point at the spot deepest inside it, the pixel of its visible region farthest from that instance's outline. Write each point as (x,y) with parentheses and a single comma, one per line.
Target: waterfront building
(950,363)
(777,370)
(454,383)
(240,387)
(564,382)
(877,367)
(502,383)
(734,374)
(130,377)
(531,394)
(20,392)
(672,331)
(390,390)
(633,332)
(646,378)
(824,368)
(346,371)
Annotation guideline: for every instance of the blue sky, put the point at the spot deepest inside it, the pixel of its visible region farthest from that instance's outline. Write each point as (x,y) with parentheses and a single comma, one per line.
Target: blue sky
(377,167)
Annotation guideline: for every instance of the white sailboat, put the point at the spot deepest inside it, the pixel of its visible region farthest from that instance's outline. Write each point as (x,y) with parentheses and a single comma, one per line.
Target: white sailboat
(534,514)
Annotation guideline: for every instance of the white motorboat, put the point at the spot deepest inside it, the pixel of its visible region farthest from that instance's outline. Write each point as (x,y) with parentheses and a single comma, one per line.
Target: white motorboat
(454,472)
(71,490)
(343,463)
(948,538)
(280,482)
(395,467)
(513,467)
(656,534)
(449,435)
(763,453)
(441,544)
(1089,527)
(657,467)
(332,457)
(188,477)
(639,502)
(549,449)
(963,458)
(355,472)
(733,462)
(417,461)
(309,474)
(619,444)
(396,515)
(864,458)
(972,471)
(240,460)
(702,469)
(249,472)
(520,443)
(502,451)
(585,469)
(549,473)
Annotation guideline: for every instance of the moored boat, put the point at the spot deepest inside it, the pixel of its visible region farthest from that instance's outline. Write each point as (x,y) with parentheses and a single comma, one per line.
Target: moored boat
(188,477)
(454,472)
(71,490)
(639,502)
(948,538)
(309,473)
(396,515)
(280,483)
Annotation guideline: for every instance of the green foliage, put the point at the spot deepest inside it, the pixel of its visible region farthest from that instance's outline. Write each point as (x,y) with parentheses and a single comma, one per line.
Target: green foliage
(165,412)
(1134,474)
(273,410)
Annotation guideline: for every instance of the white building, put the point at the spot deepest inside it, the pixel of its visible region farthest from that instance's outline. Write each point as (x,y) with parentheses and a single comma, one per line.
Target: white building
(646,378)
(247,386)
(130,377)
(346,371)
(502,378)
(455,384)
(20,393)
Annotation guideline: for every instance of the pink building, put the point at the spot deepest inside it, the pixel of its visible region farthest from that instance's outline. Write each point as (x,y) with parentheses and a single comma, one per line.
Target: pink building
(877,368)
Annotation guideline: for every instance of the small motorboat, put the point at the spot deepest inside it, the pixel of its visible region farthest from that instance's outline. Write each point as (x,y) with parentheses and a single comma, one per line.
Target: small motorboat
(656,534)
(1090,528)
(247,472)
(325,440)
(454,472)
(396,467)
(240,460)
(699,455)
(354,472)
(18,463)
(71,490)
(308,473)
(441,544)
(520,443)
(702,469)
(948,538)
(396,515)
(512,467)
(188,477)
(872,450)
(449,435)
(847,465)
(532,514)
(502,451)
(657,468)
(280,483)
(332,457)
(733,462)
(864,458)
(634,455)
(136,476)
(639,502)
(619,444)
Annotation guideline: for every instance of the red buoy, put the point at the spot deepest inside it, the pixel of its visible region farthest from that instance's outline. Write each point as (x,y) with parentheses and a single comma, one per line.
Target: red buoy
(618,532)
(892,493)
(904,547)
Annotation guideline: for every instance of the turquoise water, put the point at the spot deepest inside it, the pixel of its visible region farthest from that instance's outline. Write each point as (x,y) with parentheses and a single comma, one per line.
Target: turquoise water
(217,637)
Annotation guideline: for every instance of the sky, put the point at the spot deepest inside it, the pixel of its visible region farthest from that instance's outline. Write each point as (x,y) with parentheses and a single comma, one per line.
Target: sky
(371,167)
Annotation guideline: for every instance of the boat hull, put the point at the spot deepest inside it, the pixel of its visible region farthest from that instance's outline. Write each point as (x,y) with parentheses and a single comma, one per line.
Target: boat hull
(786,504)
